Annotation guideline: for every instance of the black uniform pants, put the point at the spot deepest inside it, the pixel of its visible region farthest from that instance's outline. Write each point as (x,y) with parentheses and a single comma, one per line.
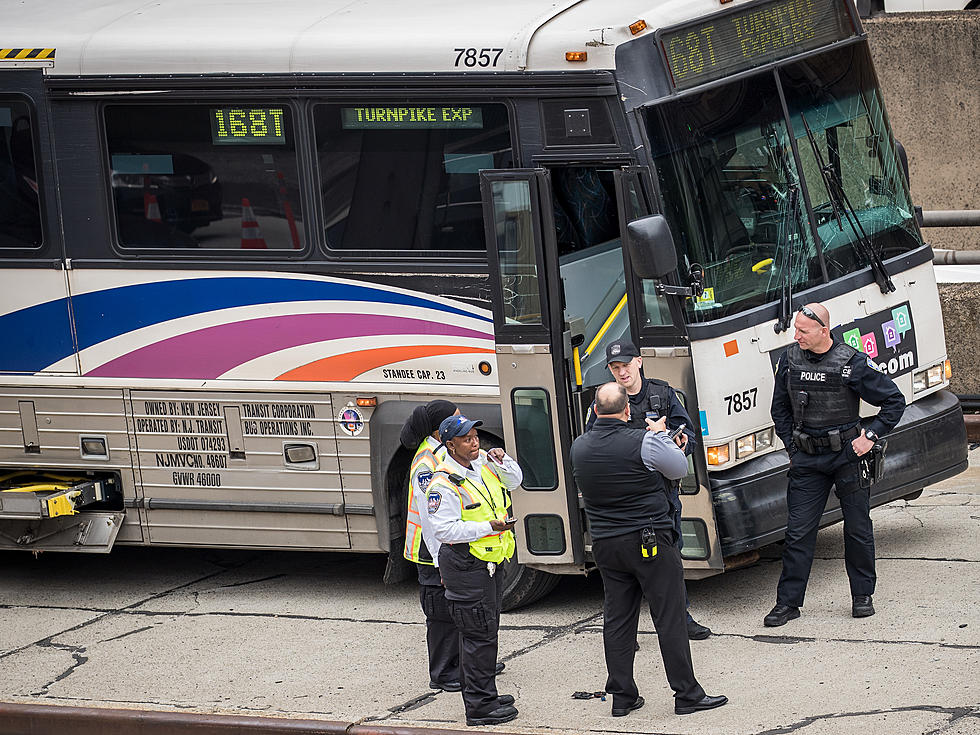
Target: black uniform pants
(473,598)
(628,577)
(810,479)
(675,502)
(441,636)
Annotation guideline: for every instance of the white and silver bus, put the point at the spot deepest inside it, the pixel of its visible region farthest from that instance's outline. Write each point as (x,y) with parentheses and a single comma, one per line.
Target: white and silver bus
(240,242)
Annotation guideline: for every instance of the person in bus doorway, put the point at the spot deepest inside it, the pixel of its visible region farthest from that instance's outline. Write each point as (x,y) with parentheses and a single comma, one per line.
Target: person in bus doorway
(622,472)
(820,382)
(468,508)
(653,399)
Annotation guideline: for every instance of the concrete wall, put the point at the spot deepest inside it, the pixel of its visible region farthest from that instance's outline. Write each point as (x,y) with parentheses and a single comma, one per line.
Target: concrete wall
(929,68)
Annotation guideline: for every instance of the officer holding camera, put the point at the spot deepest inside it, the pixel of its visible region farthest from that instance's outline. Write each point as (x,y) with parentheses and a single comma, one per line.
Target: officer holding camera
(820,382)
(621,472)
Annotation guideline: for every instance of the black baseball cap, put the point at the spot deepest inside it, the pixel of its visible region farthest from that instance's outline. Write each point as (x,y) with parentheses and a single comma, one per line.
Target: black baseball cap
(622,350)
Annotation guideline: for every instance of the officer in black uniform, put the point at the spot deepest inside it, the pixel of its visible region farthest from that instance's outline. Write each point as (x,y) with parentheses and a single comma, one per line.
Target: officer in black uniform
(652,398)
(815,402)
(620,471)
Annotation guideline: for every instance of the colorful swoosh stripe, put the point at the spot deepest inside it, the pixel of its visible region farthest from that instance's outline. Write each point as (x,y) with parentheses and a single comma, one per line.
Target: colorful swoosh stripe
(173,344)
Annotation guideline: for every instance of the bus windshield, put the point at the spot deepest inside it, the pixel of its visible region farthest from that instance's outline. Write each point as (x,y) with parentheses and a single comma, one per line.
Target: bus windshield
(738,177)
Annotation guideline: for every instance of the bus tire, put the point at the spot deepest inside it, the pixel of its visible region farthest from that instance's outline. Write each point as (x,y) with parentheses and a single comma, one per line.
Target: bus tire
(523,585)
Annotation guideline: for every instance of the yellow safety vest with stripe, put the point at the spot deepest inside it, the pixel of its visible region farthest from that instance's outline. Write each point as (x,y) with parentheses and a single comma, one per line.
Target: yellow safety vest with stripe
(425,460)
(478,504)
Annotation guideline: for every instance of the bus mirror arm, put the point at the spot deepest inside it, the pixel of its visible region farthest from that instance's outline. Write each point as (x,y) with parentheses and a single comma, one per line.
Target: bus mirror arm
(693,290)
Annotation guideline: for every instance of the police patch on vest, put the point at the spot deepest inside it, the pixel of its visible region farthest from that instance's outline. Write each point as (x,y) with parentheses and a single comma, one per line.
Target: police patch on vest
(424,478)
(874,366)
(845,372)
(813,377)
(434,500)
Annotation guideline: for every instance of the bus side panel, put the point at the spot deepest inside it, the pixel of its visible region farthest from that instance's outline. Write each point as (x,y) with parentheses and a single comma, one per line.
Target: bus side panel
(35,323)
(58,418)
(239,469)
(353,432)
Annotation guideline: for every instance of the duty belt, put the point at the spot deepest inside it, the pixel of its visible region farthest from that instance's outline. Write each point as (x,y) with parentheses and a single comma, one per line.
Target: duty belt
(833,442)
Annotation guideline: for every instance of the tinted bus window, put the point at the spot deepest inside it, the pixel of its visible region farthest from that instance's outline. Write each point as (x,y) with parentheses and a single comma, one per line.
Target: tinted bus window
(406,178)
(205,176)
(20,212)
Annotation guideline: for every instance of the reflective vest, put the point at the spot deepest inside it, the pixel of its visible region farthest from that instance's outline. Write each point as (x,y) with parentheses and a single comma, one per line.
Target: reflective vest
(479,504)
(425,461)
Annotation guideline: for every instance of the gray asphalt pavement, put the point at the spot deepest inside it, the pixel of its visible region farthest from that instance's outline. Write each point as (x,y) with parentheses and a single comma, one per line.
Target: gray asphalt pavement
(319,635)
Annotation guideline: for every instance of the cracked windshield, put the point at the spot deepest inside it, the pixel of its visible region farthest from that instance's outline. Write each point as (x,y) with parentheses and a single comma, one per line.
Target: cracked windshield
(737,182)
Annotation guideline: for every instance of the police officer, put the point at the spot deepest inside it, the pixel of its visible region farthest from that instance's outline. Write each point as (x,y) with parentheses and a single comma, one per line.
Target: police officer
(420,434)
(819,384)
(468,508)
(621,473)
(652,398)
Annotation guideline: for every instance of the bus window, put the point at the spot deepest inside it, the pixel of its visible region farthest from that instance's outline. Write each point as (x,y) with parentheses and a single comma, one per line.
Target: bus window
(406,178)
(535,442)
(20,214)
(215,176)
(727,171)
(847,119)
(516,251)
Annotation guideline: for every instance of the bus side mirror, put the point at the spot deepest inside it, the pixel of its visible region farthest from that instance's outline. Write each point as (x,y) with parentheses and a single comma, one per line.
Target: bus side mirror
(651,246)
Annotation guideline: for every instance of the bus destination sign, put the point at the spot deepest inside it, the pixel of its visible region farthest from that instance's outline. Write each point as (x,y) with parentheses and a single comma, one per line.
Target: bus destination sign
(410,118)
(750,36)
(248,126)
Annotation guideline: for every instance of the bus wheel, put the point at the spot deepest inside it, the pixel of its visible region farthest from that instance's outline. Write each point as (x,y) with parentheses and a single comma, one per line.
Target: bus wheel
(523,585)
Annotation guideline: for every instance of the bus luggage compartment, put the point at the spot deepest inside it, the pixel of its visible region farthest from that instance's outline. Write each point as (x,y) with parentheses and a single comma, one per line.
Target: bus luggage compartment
(928,446)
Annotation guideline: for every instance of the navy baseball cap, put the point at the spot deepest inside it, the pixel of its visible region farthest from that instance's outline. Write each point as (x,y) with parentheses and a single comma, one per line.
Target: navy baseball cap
(622,350)
(454,426)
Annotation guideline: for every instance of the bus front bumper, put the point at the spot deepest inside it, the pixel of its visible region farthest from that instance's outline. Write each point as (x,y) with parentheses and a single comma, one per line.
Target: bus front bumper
(928,445)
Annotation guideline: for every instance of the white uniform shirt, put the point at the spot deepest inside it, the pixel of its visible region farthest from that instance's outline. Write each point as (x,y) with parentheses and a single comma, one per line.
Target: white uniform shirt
(441,512)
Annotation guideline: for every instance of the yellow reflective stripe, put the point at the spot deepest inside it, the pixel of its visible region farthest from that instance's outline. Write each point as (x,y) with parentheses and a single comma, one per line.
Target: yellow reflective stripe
(24,53)
(46,53)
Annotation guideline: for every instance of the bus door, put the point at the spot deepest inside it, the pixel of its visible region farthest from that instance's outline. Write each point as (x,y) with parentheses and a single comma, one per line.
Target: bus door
(533,348)
(661,338)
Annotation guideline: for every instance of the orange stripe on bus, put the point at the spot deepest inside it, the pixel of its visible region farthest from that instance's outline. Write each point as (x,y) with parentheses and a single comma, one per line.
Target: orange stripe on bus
(352,364)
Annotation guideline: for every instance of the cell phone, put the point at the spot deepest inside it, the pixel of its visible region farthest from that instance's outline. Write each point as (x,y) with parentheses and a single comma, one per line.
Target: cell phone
(673,433)
(509,520)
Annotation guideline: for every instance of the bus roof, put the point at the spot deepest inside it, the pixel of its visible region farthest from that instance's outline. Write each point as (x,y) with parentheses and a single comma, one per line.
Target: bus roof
(126,37)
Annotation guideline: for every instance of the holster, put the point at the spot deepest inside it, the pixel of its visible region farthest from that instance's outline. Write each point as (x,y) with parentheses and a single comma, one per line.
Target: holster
(803,442)
(872,464)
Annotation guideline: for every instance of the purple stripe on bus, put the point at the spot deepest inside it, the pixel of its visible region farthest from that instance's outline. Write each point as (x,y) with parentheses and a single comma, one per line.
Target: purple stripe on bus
(207,353)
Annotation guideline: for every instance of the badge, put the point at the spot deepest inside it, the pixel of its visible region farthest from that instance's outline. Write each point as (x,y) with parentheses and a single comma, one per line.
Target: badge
(351,422)
(873,365)
(615,350)
(424,478)
(434,500)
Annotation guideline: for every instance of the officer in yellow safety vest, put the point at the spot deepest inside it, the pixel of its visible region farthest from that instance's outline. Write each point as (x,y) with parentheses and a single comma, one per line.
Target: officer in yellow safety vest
(468,508)
(420,434)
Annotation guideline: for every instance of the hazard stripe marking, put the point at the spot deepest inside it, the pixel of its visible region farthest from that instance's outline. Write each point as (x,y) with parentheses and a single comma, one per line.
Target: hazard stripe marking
(30,54)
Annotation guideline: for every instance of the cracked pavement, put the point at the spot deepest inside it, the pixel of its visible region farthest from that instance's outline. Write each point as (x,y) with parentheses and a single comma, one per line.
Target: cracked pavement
(319,635)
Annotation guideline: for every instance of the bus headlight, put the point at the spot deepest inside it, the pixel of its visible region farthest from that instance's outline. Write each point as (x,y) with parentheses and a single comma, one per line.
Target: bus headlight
(752,443)
(718,455)
(929,377)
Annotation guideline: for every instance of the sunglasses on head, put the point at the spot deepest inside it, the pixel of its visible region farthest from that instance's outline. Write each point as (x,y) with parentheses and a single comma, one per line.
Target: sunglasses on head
(809,313)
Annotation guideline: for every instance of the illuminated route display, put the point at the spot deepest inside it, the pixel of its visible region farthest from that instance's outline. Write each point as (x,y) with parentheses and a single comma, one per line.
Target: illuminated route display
(749,36)
(410,118)
(248,126)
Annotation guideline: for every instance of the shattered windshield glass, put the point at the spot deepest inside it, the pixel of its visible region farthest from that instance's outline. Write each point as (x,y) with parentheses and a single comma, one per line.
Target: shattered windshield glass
(736,179)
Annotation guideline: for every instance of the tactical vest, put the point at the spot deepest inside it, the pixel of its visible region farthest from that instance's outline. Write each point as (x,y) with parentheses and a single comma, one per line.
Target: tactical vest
(425,460)
(657,401)
(829,402)
(480,505)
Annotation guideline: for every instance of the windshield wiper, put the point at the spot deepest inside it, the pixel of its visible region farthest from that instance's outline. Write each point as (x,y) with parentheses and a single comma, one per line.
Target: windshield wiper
(842,210)
(789,231)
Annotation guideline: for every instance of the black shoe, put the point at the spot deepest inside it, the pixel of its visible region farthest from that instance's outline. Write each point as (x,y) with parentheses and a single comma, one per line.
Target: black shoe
(499,667)
(446,686)
(496,717)
(705,703)
(623,711)
(780,615)
(505,699)
(696,631)
(861,606)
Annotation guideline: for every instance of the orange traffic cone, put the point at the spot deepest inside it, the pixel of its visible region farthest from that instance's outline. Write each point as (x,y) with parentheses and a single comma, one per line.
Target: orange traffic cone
(151,208)
(251,234)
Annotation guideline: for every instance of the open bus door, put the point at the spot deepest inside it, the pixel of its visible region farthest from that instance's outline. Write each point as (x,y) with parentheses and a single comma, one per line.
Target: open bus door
(660,335)
(532,365)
